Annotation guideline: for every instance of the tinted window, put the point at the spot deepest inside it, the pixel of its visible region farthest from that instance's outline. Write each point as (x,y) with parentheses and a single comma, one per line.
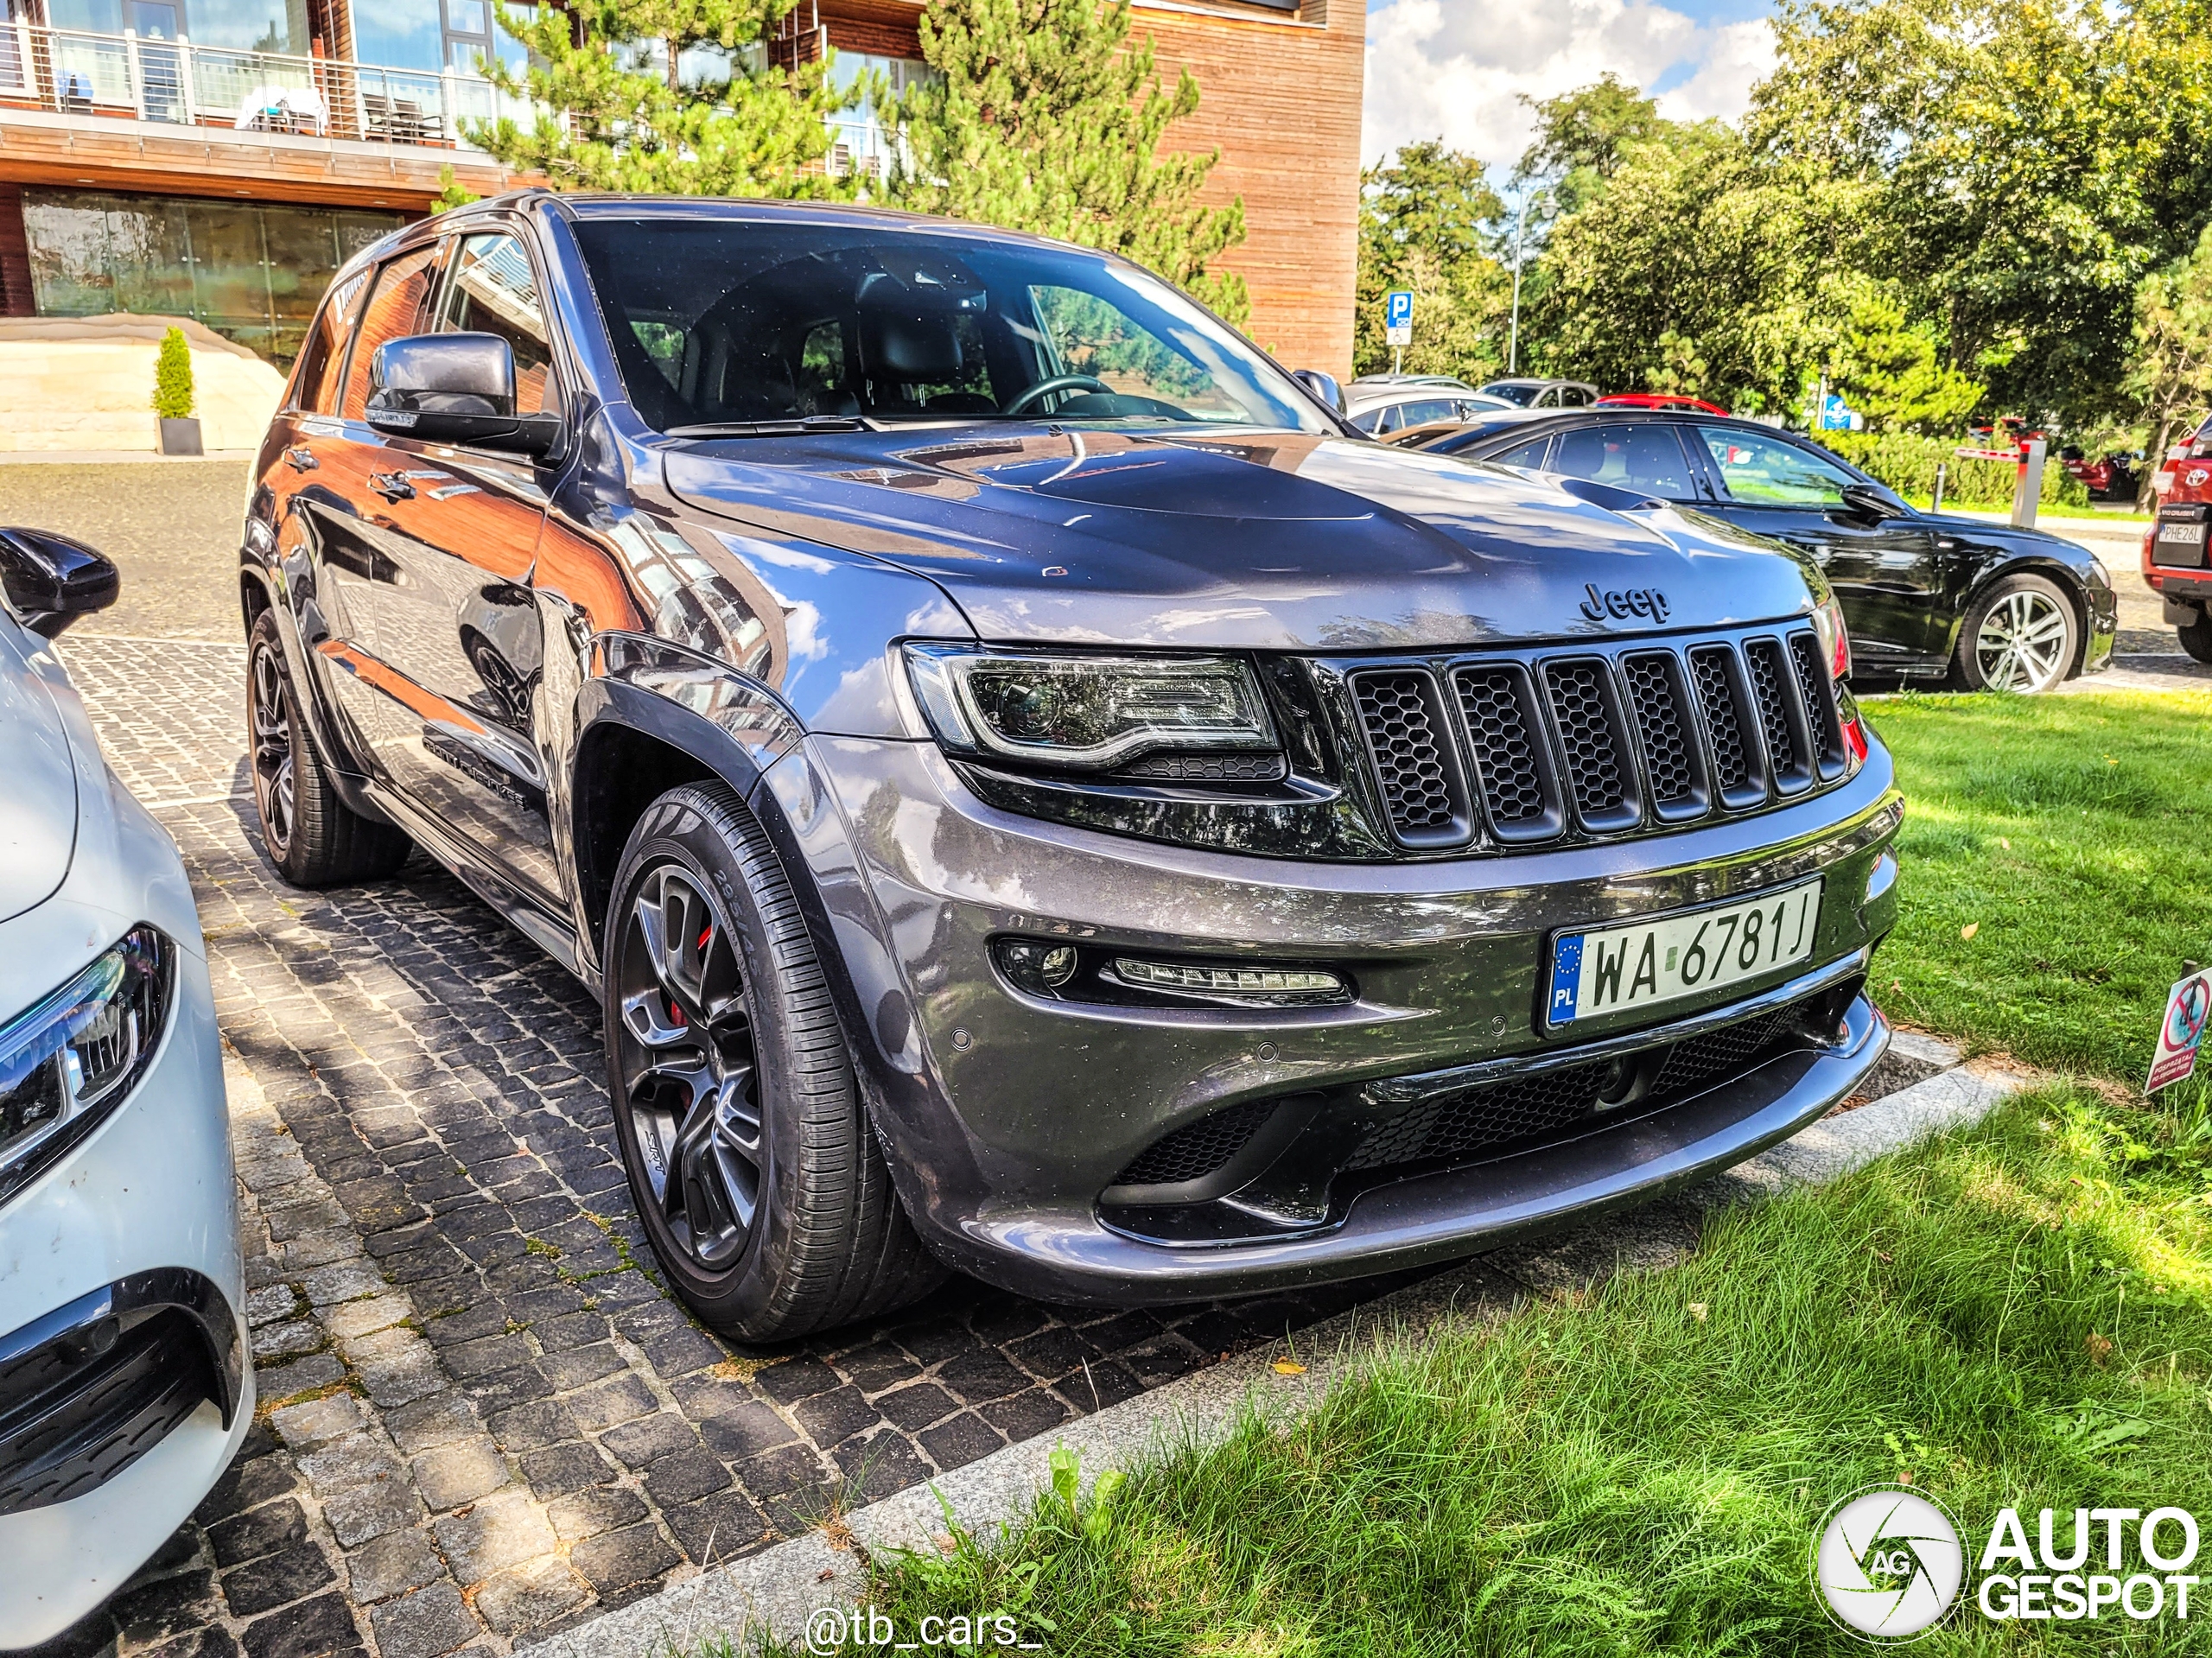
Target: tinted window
(730,320)
(1634,456)
(403,286)
(1767,472)
(1573,396)
(1367,420)
(1520,394)
(1527,455)
(492,290)
(315,385)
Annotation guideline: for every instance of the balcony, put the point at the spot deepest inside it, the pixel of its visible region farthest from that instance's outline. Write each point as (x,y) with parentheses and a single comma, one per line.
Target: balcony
(177,83)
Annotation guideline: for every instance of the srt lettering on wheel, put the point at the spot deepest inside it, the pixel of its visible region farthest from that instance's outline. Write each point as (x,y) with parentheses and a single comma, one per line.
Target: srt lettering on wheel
(1037,791)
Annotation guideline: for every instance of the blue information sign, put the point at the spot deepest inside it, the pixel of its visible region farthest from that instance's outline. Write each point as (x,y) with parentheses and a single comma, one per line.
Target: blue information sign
(1398,309)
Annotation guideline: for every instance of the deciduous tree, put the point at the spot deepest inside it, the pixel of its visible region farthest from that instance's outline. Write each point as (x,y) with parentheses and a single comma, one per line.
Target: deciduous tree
(1423,225)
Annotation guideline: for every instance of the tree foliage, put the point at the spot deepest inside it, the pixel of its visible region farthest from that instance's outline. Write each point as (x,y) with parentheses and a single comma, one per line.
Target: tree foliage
(2173,370)
(1422,227)
(673,97)
(1044,115)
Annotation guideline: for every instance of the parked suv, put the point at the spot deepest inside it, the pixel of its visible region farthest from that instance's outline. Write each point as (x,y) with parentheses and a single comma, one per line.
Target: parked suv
(1035,791)
(2174,564)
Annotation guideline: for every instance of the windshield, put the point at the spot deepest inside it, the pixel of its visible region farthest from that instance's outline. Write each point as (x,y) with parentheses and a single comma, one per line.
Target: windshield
(1519,393)
(731,321)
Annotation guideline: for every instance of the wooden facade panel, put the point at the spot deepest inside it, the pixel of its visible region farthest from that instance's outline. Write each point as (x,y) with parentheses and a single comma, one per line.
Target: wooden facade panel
(80,151)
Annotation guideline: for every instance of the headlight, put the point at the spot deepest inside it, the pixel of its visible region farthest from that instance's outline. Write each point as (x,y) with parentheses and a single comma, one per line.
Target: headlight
(70,1059)
(2098,573)
(1086,712)
(1836,640)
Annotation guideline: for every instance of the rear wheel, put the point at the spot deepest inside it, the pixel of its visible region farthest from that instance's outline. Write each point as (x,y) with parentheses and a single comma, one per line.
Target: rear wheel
(312,837)
(2197,637)
(2018,636)
(749,1152)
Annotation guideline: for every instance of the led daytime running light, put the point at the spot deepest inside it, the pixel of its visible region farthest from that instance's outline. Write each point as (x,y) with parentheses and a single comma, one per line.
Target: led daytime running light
(1227,980)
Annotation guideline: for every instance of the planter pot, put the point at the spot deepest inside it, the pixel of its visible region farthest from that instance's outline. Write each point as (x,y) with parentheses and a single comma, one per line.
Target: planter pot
(180,436)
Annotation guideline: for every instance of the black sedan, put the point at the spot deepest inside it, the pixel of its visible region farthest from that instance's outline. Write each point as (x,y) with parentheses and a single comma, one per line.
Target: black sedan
(1924,594)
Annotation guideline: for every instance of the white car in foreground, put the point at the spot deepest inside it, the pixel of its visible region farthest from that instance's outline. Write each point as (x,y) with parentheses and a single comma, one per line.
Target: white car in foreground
(125,1384)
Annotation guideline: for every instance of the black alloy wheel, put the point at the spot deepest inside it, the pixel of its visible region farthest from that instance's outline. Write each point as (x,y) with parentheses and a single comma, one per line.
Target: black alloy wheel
(310,833)
(688,1079)
(275,782)
(752,1160)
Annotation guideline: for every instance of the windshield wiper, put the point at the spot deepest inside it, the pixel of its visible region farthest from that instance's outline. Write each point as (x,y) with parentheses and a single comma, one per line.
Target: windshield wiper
(792,427)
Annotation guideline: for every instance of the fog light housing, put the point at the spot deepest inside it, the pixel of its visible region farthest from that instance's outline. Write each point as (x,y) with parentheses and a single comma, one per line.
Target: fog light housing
(1242,984)
(1041,969)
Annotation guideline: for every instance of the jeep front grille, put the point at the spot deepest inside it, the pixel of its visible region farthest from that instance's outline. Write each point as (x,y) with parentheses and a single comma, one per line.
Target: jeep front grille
(1606,741)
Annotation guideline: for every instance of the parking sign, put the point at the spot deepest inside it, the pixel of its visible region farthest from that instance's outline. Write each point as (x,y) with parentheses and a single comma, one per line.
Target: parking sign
(1398,317)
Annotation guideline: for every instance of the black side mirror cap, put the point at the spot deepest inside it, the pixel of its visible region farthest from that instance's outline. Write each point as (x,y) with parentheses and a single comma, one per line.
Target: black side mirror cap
(1324,388)
(454,388)
(1871,501)
(51,580)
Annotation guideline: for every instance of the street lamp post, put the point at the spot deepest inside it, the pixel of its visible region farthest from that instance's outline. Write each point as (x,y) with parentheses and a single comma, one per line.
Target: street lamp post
(1513,336)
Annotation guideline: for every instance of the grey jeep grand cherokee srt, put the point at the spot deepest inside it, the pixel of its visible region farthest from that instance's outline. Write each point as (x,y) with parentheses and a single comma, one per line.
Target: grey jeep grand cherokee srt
(1037,791)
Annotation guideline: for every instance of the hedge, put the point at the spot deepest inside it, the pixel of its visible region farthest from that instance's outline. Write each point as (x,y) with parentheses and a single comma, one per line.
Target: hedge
(1907,465)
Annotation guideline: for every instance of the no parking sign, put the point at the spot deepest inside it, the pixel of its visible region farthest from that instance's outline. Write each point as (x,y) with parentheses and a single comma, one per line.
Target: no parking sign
(2182,1032)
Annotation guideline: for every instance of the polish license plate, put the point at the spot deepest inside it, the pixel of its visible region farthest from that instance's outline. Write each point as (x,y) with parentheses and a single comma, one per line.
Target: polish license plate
(1651,964)
(2188,535)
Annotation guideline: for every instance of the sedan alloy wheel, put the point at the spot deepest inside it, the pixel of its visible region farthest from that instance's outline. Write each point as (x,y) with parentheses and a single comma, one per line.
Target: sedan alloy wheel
(2025,641)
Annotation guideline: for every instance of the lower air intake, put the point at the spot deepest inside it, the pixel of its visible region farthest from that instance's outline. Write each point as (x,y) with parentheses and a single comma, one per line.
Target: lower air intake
(1193,1152)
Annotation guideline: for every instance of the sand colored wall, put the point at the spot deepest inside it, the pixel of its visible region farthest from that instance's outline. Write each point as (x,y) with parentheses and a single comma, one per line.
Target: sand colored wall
(87,383)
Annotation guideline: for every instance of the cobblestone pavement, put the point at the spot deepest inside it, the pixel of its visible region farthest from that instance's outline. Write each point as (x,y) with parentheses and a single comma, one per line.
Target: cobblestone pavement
(482,1419)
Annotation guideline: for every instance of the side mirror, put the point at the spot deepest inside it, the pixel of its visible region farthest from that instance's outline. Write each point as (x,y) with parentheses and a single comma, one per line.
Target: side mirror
(454,388)
(1324,388)
(51,580)
(1872,501)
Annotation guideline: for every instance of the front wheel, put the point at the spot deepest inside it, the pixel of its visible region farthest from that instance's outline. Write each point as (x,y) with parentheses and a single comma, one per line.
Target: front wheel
(748,1148)
(2018,636)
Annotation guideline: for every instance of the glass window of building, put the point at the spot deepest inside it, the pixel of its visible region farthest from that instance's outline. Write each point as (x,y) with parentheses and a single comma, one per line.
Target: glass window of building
(253,272)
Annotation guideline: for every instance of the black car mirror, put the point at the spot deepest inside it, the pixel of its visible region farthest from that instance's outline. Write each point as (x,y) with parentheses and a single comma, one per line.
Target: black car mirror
(51,580)
(454,388)
(1873,501)
(1325,390)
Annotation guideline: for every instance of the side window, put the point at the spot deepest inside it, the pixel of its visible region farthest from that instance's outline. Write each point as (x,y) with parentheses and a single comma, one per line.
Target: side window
(1638,456)
(1573,396)
(395,302)
(1391,419)
(1419,414)
(493,290)
(314,386)
(1369,420)
(1530,455)
(1767,472)
(819,377)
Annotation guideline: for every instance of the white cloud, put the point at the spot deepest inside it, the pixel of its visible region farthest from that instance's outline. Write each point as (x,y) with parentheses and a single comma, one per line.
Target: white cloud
(1454,68)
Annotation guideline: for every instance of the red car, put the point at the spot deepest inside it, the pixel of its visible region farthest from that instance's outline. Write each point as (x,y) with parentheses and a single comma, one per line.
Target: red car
(1660,400)
(2174,562)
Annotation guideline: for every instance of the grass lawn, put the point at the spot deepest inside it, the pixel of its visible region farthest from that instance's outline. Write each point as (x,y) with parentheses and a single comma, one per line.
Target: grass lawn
(2020,1314)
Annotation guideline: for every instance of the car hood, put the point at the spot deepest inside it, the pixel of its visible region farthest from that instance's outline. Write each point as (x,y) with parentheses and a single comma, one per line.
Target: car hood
(38,808)
(1241,540)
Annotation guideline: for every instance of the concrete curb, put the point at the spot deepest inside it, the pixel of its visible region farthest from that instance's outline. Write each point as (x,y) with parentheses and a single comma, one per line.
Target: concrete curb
(772,1594)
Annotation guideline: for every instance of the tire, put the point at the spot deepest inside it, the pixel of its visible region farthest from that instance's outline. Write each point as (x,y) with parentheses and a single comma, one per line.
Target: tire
(750,1155)
(2020,635)
(2196,637)
(312,837)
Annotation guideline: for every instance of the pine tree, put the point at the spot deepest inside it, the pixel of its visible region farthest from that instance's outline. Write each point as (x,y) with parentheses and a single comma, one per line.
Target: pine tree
(1043,116)
(640,117)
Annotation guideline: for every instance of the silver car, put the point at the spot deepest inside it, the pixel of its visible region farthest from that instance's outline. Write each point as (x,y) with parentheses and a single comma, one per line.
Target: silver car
(124,1384)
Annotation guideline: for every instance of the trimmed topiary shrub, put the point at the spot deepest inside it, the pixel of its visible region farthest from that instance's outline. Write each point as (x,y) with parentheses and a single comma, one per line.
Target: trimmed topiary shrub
(172,395)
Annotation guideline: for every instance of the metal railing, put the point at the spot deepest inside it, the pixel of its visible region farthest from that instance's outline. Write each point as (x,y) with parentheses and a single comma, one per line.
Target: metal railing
(76,73)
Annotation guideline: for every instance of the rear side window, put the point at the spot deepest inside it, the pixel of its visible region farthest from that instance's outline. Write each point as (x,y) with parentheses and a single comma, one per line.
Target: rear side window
(1419,414)
(1528,455)
(493,290)
(315,383)
(394,305)
(1633,456)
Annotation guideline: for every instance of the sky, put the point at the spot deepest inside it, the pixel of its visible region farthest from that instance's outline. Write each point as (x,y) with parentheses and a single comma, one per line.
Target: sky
(1453,67)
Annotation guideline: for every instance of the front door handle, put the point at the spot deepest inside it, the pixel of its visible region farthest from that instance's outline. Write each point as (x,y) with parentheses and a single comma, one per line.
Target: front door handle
(392,485)
(300,460)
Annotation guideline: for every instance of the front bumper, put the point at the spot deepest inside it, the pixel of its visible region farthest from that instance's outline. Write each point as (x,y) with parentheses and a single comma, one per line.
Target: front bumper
(2103,605)
(147,1207)
(1007,1115)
